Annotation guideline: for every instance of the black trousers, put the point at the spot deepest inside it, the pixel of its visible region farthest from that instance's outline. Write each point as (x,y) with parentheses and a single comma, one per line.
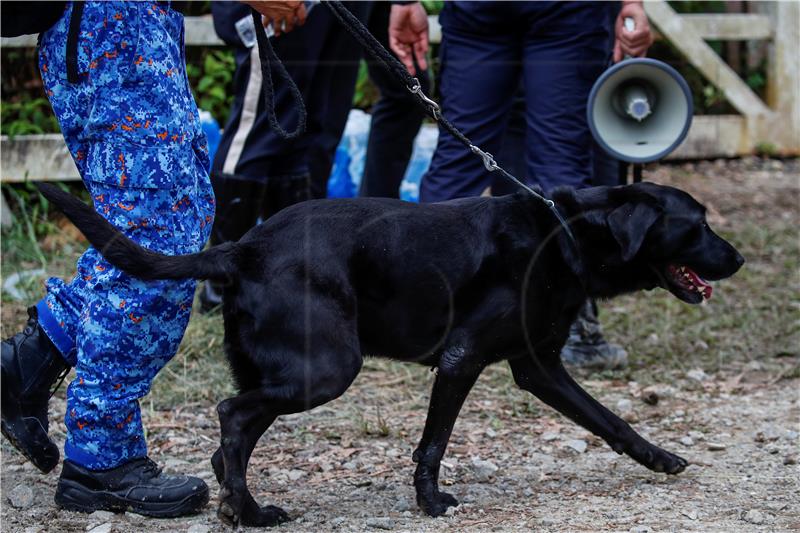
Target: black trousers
(396,119)
(255,173)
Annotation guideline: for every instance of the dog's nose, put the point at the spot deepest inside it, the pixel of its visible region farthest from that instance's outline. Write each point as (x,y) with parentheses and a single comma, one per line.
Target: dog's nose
(739,260)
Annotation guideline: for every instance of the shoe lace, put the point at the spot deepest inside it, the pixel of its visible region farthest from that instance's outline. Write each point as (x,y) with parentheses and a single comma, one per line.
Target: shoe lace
(151,468)
(59,380)
(30,328)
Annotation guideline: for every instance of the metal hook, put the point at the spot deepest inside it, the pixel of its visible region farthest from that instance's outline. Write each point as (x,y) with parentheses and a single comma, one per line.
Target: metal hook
(417,89)
(488,159)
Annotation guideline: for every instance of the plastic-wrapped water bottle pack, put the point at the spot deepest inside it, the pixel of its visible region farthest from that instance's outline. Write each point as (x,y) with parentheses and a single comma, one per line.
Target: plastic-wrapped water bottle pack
(348,165)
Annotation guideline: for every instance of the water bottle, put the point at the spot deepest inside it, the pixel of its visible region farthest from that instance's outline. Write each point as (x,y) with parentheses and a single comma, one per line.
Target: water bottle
(340,183)
(424,146)
(212,130)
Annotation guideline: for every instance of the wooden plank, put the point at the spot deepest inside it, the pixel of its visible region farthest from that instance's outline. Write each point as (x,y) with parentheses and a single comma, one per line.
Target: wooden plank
(36,158)
(24,41)
(721,27)
(6,216)
(434,29)
(783,77)
(199,32)
(702,56)
(714,136)
(45,157)
(730,27)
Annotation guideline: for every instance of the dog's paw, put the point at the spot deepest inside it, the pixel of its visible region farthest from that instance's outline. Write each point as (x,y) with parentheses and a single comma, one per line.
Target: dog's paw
(659,460)
(230,506)
(267,516)
(437,503)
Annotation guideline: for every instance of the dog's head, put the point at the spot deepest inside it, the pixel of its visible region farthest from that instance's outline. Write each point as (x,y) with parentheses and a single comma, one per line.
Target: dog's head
(645,235)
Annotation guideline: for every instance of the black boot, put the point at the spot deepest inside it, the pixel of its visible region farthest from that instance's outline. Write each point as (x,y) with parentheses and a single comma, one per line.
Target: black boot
(586,346)
(138,486)
(31,364)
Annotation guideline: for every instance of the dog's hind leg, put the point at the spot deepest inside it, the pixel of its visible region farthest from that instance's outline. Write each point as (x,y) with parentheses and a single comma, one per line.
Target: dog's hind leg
(453,383)
(306,381)
(242,421)
(551,383)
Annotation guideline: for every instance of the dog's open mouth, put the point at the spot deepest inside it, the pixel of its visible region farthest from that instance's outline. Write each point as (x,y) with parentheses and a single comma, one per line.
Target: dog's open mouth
(687,285)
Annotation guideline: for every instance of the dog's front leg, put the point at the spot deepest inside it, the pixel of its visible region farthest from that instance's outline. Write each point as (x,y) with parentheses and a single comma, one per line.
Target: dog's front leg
(453,383)
(551,383)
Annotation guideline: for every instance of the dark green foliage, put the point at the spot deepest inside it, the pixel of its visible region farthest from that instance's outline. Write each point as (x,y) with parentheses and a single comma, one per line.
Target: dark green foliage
(211,77)
(27,115)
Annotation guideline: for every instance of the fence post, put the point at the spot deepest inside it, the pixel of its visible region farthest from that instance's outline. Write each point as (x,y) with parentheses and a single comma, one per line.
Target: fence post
(783,80)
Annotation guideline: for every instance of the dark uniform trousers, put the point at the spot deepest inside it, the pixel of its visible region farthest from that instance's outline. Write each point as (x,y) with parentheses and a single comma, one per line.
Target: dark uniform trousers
(555,51)
(256,173)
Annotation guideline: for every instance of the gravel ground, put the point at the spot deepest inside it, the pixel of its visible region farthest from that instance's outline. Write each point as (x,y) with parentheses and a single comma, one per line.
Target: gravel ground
(513,463)
(511,471)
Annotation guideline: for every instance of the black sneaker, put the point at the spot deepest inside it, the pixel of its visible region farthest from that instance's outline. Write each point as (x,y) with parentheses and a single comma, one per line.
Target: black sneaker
(586,347)
(31,364)
(138,486)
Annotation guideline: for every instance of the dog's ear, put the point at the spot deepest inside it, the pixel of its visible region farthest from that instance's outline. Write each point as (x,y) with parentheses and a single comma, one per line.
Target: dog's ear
(629,224)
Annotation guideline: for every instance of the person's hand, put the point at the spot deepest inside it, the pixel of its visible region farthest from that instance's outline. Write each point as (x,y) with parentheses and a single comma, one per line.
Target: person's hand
(632,43)
(284,15)
(408,34)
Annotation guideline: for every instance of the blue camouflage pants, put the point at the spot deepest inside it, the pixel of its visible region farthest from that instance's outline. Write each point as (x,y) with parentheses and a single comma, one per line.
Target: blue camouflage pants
(132,127)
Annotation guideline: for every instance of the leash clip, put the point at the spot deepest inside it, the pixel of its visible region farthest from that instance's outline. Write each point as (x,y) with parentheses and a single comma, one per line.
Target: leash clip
(417,89)
(488,159)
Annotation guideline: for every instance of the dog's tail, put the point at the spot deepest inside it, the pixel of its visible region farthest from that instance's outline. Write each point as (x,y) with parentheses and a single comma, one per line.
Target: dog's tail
(219,262)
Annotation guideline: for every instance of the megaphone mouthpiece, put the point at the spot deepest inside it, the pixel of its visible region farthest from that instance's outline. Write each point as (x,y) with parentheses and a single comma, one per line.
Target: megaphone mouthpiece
(636,103)
(639,110)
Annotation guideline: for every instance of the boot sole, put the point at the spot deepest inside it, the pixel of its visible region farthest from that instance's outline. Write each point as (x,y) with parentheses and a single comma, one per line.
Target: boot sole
(10,434)
(73,496)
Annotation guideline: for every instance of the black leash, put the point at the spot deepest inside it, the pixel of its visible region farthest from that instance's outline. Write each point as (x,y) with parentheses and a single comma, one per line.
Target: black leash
(267,56)
(391,64)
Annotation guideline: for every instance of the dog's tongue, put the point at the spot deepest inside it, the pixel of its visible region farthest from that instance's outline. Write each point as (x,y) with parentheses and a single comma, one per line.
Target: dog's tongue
(702,285)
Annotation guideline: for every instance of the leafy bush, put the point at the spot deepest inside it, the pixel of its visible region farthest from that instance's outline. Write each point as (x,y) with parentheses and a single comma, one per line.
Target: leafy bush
(211,78)
(28,115)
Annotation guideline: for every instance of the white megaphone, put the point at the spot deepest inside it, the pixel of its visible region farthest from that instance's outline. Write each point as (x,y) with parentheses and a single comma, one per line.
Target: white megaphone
(640,109)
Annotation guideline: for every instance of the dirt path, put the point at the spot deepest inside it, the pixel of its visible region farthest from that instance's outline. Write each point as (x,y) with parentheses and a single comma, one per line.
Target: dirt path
(513,463)
(511,470)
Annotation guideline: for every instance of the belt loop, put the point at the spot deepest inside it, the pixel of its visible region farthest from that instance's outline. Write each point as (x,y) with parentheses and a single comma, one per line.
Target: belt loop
(72,41)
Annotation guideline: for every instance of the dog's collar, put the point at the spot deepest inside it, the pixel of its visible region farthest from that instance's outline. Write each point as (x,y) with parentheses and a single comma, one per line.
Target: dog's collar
(580,271)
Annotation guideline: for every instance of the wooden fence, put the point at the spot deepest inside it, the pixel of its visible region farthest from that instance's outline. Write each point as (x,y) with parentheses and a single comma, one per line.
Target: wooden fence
(774,124)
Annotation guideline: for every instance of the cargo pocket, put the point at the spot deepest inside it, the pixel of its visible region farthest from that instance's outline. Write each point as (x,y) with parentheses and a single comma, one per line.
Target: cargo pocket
(142,192)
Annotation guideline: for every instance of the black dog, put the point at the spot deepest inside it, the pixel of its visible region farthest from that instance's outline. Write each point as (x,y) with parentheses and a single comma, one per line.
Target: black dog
(457,286)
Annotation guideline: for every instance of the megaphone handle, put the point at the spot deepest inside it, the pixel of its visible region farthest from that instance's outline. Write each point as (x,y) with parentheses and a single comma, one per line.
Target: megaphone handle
(630,25)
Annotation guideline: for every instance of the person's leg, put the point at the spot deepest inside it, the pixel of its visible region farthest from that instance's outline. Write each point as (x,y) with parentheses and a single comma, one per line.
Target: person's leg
(331,94)
(605,167)
(144,160)
(565,52)
(479,75)
(512,153)
(566,49)
(396,119)
(256,173)
(240,198)
(249,149)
